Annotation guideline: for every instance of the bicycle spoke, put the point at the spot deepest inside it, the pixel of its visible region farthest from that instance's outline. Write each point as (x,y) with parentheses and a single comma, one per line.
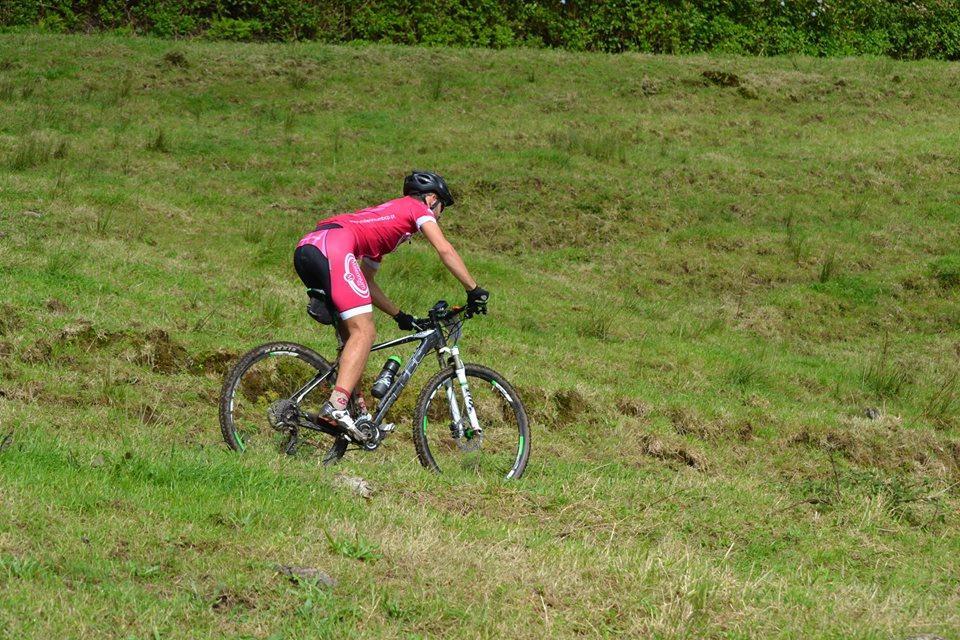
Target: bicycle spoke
(454,446)
(260,409)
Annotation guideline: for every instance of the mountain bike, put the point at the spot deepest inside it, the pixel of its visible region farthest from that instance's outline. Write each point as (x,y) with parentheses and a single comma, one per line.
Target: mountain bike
(467,418)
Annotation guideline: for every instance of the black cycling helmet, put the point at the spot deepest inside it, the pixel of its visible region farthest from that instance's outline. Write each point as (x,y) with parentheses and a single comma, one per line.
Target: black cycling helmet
(421,182)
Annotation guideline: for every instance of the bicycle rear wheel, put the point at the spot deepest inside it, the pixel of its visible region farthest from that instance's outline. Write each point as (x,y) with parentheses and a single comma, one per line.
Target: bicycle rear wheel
(445,439)
(256,411)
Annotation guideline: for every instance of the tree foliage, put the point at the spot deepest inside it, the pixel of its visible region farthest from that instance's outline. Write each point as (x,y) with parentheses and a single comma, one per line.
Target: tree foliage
(917,29)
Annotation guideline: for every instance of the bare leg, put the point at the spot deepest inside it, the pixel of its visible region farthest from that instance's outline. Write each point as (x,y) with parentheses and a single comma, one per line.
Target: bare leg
(361,333)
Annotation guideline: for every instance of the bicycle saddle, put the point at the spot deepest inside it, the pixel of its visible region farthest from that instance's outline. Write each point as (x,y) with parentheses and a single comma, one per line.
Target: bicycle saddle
(319,307)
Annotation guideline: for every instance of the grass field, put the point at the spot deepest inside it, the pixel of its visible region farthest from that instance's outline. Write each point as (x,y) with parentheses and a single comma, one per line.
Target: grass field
(704,272)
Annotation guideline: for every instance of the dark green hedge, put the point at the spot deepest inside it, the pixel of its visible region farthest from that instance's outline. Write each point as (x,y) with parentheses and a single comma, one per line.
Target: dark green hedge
(898,28)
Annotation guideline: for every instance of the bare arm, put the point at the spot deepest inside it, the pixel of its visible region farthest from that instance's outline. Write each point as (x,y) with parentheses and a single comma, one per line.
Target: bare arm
(380,299)
(448,255)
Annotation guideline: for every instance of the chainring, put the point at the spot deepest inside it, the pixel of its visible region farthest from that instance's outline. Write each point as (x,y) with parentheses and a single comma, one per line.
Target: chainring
(370,432)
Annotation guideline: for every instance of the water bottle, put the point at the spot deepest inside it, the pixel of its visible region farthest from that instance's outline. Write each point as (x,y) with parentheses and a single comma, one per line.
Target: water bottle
(385,380)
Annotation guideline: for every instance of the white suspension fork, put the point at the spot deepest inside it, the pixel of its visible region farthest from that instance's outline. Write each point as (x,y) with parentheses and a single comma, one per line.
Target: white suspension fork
(464,391)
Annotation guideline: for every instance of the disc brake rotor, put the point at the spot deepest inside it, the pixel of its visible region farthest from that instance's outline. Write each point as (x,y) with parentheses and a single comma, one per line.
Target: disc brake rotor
(469,441)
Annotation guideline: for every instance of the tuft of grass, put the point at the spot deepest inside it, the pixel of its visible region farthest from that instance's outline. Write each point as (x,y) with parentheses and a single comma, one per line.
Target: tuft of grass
(358,548)
(252,232)
(28,89)
(103,222)
(946,270)
(175,58)
(289,121)
(744,372)
(884,377)
(828,268)
(297,80)
(59,265)
(158,142)
(63,147)
(598,325)
(797,245)
(125,85)
(32,151)
(943,406)
(21,568)
(272,312)
(8,90)
(721,78)
(337,145)
(604,147)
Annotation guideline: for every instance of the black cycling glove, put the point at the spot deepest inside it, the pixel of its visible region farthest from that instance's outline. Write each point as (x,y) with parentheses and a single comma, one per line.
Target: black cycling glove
(477,298)
(404,321)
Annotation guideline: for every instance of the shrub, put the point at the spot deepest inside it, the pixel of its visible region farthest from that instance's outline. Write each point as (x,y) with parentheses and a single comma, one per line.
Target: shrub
(920,29)
(231,29)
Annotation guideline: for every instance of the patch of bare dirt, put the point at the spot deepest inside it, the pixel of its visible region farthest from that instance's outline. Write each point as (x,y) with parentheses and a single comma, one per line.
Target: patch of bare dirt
(228,599)
(10,319)
(162,354)
(687,421)
(673,451)
(633,407)
(215,362)
(721,78)
(883,442)
(54,305)
(570,405)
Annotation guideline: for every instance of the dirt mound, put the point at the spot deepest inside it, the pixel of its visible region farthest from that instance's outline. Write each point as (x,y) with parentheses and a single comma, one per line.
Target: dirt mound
(686,421)
(672,450)
(54,305)
(882,443)
(160,353)
(214,362)
(721,78)
(10,319)
(633,407)
(569,404)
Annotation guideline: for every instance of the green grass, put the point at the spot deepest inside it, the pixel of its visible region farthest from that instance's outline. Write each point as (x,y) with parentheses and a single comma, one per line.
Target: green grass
(697,291)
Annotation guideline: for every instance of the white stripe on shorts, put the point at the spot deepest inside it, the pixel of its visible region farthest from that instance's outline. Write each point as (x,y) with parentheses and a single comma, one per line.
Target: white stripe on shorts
(349,313)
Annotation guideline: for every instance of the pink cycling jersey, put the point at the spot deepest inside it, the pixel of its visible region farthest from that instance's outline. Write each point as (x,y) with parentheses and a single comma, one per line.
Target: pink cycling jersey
(379,230)
(368,233)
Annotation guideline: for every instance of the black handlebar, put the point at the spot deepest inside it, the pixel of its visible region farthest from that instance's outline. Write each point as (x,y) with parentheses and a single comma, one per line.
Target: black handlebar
(441,312)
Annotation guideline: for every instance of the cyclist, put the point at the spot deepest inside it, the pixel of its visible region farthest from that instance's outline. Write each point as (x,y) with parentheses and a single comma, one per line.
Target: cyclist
(342,257)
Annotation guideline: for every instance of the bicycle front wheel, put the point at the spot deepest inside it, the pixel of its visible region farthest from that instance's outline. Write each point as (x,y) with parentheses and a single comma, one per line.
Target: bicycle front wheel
(448,440)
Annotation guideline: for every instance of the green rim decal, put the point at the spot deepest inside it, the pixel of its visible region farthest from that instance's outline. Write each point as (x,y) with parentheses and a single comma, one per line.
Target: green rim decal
(243,447)
(520,448)
(424,424)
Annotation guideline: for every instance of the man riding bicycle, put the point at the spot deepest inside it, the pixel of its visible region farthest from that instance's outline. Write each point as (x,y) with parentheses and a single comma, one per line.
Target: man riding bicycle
(342,256)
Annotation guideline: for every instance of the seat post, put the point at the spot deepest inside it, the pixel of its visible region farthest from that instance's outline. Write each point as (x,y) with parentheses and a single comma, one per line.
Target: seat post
(340,330)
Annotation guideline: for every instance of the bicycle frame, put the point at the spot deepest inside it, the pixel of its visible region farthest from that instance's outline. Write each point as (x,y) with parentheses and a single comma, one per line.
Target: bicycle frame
(430,340)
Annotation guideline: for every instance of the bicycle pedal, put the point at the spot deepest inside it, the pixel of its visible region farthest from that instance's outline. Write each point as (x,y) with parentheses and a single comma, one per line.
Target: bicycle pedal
(387,427)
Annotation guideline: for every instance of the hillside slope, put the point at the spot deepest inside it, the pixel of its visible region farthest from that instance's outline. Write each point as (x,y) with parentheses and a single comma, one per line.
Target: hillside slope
(705,271)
